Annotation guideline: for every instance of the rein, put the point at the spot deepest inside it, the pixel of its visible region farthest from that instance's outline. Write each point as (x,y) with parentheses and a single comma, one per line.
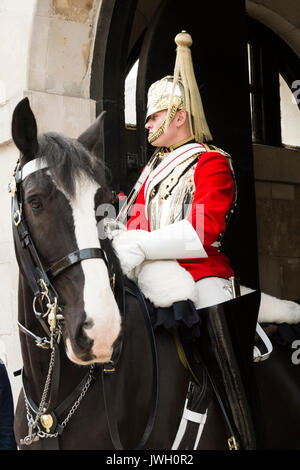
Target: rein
(108,384)
(49,314)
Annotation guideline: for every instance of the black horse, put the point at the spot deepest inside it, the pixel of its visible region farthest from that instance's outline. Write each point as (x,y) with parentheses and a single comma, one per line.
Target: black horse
(71,287)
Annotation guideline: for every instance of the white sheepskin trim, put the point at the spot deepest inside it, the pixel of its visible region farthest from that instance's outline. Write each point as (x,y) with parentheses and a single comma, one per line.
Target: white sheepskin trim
(166,282)
(274,310)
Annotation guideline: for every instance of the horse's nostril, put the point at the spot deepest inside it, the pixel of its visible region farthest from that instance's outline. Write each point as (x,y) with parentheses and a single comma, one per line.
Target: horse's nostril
(88,324)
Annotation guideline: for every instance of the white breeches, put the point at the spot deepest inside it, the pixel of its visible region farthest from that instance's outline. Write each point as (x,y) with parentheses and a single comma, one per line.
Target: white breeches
(213,291)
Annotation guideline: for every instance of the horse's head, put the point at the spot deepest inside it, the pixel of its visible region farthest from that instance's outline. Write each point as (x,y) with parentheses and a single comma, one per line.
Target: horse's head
(59,204)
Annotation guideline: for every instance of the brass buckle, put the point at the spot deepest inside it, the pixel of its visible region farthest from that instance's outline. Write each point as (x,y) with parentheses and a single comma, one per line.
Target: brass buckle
(12,187)
(113,281)
(17,217)
(109,367)
(232,443)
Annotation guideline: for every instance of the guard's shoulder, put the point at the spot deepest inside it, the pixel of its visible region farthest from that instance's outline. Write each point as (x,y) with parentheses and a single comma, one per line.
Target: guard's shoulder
(213,148)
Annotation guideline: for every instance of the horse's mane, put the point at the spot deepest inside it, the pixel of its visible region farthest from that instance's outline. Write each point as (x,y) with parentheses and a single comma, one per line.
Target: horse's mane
(67,158)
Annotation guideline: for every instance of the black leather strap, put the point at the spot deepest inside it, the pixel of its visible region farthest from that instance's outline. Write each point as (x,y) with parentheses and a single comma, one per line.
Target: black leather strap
(74,258)
(68,401)
(52,408)
(51,444)
(196,367)
(52,399)
(108,382)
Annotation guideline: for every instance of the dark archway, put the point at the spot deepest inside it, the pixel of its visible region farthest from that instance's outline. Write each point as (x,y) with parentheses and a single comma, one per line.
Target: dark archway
(107,79)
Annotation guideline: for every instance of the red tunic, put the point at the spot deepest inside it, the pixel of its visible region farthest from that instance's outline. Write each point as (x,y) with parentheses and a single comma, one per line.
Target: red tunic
(214,191)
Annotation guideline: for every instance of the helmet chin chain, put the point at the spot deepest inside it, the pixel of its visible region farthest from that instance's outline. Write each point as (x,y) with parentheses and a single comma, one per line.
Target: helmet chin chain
(164,125)
(153,137)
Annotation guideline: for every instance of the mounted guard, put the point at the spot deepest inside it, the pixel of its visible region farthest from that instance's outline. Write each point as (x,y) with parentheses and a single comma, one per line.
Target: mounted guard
(179,211)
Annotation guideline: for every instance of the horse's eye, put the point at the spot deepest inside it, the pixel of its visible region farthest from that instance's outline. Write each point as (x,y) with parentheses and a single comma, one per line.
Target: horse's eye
(35,204)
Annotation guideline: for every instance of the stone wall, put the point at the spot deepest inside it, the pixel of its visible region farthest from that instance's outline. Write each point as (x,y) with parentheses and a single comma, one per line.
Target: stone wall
(46,48)
(59,69)
(15,28)
(277,183)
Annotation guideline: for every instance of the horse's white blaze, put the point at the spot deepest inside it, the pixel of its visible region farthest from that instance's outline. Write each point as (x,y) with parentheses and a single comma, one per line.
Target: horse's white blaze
(99,302)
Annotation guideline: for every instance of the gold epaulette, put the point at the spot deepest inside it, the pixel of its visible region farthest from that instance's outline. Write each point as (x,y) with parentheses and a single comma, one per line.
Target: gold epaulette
(212,148)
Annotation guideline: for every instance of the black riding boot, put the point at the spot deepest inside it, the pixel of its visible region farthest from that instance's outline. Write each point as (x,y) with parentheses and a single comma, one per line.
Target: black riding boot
(226,349)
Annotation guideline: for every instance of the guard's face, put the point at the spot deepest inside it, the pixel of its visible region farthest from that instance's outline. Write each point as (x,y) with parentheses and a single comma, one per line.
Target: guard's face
(166,139)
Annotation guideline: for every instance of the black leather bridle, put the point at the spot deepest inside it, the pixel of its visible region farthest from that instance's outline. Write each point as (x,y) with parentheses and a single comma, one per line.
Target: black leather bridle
(45,297)
(37,276)
(50,317)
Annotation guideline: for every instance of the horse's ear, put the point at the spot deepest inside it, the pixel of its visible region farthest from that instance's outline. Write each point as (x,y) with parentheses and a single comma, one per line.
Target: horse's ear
(93,135)
(24,129)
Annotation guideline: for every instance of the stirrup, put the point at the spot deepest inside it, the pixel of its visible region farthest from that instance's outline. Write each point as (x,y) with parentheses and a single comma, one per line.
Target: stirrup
(257,355)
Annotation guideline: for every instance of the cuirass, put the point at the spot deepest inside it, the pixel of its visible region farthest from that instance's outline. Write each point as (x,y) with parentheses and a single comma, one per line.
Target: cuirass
(171,200)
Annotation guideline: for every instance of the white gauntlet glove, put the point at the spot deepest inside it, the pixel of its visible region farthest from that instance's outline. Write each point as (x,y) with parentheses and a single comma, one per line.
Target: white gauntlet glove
(175,241)
(113,227)
(128,249)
